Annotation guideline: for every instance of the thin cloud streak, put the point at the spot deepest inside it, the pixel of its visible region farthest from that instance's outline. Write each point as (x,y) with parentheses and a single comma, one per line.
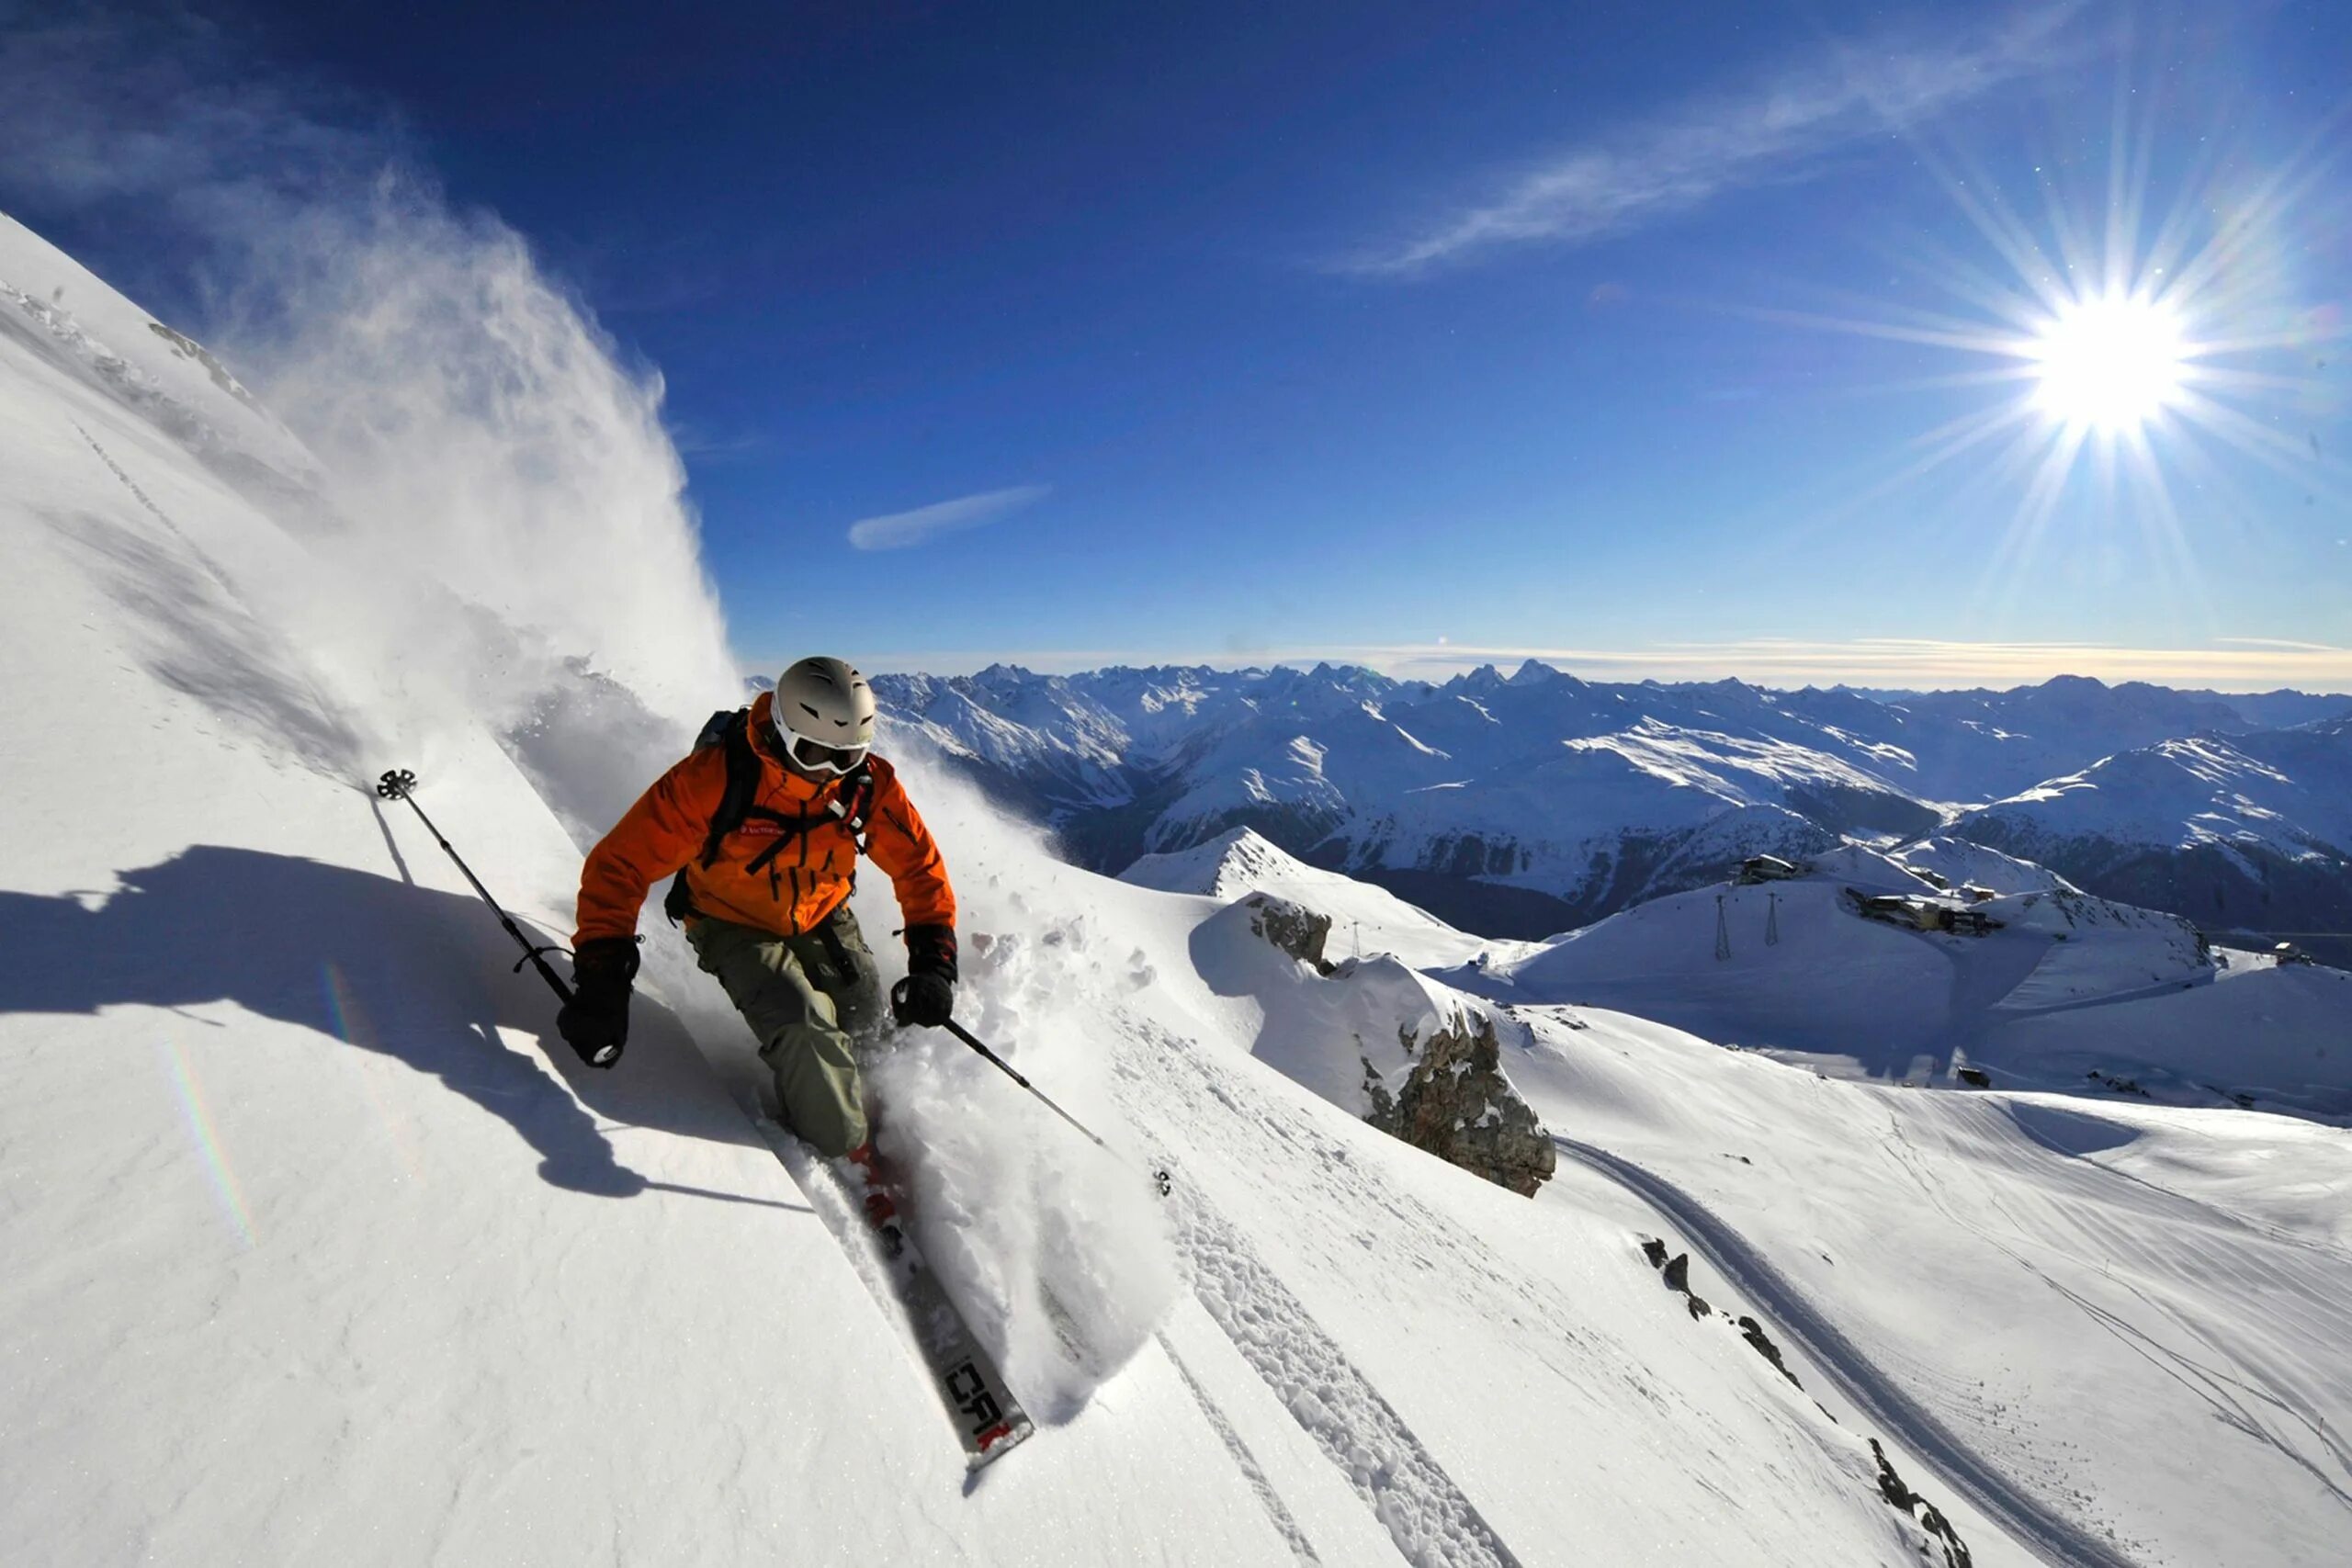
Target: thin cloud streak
(2282,642)
(902,530)
(1910,664)
(1774,133)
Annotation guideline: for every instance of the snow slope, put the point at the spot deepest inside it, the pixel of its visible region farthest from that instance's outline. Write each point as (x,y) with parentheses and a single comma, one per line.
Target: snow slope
(58,312)
(321,1249)
(2249,833)
(2117,1326)
(2013,1291)
(1962,865)
(324,1249)
(2289,792)
(2068,987)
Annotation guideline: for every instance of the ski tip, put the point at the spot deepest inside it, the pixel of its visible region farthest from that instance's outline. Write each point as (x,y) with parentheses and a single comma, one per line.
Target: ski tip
(1001,1438)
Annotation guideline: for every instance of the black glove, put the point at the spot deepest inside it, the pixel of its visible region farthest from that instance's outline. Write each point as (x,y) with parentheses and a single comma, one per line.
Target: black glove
(927,996)
(595,1021)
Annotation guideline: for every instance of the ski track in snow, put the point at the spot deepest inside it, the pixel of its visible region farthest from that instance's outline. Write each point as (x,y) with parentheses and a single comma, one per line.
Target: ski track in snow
(1277,1512)
(1873,1395)
(2246,1389)
(1425,1511)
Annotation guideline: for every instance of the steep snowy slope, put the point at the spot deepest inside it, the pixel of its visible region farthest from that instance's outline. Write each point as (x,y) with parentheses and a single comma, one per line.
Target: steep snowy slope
(321,1249)
(1396,1307)
(56,311)
(324,1249)
(2013,1291)
(1963,864)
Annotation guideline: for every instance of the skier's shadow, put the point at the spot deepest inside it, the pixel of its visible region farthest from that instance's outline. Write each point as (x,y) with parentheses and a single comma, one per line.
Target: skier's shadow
(377,963)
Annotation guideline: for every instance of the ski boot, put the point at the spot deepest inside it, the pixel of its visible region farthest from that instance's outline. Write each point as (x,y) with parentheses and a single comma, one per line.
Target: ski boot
(872,1184)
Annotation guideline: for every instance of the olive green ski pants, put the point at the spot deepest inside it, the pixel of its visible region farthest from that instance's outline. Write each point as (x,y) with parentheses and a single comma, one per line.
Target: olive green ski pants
(813,999)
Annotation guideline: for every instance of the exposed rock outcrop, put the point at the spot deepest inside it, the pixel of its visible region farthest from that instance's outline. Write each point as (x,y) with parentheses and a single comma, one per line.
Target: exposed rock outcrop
(1294,928)
(1931,1518)
(1761,1343)
(1677,1274)
(1674,1273)
(1417,1062)
(1457,1105)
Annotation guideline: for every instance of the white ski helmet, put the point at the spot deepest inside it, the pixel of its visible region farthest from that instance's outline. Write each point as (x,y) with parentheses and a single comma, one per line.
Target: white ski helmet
(823,712)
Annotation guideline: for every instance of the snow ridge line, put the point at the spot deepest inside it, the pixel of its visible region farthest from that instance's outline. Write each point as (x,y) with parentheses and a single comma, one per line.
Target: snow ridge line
(1871,1392)
(1433,1524)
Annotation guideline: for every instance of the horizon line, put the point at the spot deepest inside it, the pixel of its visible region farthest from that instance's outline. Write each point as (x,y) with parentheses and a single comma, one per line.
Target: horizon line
(2243,665)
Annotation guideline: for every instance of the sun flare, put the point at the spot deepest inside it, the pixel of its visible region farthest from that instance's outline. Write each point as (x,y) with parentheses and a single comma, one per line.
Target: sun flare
(2109,364)
(2134,364)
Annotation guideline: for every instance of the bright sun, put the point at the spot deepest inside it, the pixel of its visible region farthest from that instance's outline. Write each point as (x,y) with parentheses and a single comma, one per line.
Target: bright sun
(2108,364)
(2158,352)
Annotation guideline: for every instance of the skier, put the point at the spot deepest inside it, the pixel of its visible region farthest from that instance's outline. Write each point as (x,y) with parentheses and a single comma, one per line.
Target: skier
(763,823)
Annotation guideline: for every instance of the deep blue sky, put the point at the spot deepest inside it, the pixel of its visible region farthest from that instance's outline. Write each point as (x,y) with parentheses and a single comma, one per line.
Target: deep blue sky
(1203,287)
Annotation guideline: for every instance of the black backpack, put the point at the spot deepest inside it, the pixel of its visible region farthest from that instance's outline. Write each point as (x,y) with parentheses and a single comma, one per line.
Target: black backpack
(730,728)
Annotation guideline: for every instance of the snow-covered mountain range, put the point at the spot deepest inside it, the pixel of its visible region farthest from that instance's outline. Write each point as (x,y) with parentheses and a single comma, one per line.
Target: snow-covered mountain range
(2249,833)
(323,1248)
(1531,803)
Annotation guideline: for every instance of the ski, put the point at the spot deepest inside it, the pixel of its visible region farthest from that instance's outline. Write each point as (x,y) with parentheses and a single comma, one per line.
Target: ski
(987,1418)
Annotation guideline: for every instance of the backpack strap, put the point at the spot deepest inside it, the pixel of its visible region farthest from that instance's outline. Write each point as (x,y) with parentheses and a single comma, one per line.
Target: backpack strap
(729,728)
(852,802)
(735,805)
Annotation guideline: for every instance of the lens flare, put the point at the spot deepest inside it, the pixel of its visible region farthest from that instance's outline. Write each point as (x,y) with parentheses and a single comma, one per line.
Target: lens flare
(2112,363)
(206,1135)
(2132,368)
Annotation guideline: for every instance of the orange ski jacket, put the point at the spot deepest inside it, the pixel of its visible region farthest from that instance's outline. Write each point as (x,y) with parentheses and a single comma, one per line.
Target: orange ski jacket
(663,833)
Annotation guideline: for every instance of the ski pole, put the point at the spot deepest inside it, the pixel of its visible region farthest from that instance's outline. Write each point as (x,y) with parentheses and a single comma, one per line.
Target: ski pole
(399,784)
(1158,1177)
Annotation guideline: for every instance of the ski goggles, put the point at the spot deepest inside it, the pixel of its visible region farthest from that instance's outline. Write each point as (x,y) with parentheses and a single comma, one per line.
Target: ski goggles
(816,757)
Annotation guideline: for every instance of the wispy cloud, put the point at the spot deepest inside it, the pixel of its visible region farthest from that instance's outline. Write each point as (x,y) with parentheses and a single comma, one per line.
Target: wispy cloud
(2287,643)
(899,530)
(1917,664)
(1780,129)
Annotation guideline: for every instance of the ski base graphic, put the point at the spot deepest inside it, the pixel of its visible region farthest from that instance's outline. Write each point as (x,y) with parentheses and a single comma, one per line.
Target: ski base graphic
(983,1410)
